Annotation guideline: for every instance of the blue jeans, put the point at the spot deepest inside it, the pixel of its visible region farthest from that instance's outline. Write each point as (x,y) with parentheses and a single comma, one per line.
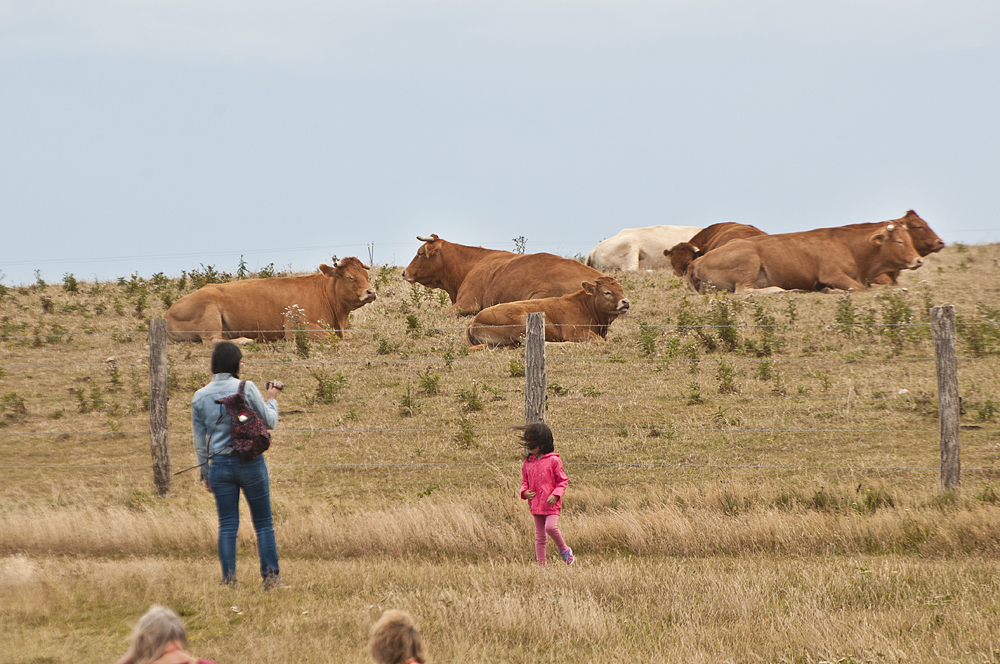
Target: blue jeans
(227,476)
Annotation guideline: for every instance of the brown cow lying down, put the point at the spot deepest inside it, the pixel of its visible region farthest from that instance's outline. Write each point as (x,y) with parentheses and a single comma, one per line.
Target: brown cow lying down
(844,258)
(707,239)
(476,278)
(925,241)
(254,308)
(583,316)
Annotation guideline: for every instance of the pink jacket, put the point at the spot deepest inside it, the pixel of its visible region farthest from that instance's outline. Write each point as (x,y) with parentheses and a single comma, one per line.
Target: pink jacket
(545,476)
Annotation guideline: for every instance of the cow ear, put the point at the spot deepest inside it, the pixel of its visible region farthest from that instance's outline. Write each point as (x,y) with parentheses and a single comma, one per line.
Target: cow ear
(878,238)
(327,270)
(589,286)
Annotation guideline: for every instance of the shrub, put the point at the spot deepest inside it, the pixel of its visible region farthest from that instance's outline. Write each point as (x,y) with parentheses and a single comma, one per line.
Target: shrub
(726,375)
(982,335)
(647,338)
(791,312)
(328,386)
(429,382)
(470,400)
(70,284)
(466,436)
(206,275)
(896,316)
(408,404)
(385,347)
(764,370)
(295,319)
(13,404)
(989,411)
(845,316)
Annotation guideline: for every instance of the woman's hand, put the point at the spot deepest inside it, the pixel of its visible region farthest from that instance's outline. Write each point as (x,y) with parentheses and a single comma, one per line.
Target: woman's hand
(208,486)
(529,494)
(273,388)
(551,500)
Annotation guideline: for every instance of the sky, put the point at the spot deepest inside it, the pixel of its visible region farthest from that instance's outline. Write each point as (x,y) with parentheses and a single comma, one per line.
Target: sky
(151,136)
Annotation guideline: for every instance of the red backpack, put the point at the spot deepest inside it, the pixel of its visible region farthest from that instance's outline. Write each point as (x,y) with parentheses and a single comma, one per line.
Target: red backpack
(250,435)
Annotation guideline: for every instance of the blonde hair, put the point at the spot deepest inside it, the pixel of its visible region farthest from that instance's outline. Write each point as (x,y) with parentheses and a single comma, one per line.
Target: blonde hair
(151,635)
(395,639)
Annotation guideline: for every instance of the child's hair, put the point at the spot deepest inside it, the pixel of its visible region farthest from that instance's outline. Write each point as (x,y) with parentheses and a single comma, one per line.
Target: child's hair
(537,436)
(152,633)
(395,639)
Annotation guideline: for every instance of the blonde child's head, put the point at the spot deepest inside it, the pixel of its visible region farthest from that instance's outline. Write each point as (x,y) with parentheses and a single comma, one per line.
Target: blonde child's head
(395,639)
(536,439)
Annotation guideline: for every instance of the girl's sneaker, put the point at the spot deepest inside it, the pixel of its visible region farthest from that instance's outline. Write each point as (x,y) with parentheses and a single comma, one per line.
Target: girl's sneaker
(567,556)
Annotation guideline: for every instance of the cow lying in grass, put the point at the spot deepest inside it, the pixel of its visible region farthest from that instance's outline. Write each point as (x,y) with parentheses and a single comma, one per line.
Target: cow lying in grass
(254,309)
(582,316)
(476,278)
(634,249)
(844,258)
(683,253)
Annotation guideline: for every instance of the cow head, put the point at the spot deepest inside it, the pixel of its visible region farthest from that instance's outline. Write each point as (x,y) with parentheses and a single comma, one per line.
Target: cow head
(609,298)
(425,268)
(925,241)
(896,251)
(349,285)
(681,255)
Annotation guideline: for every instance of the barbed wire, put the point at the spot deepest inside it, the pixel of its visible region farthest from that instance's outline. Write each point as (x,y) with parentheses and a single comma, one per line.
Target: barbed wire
(549,358)
(519,393)
(660,429)
(568,463)
(422,331)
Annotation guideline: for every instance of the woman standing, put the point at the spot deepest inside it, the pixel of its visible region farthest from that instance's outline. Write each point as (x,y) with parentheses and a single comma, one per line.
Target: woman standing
(224,473)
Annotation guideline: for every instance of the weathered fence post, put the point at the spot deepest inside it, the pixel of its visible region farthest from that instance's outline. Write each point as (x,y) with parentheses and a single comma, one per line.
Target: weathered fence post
(158,444)
(943,327)
(534,368)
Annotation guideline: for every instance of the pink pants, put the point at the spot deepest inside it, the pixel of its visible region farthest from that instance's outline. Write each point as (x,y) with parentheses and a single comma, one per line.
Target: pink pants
(547,525)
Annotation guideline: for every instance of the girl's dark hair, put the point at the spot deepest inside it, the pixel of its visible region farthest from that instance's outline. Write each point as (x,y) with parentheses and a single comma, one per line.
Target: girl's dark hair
(537,435)
(226,358)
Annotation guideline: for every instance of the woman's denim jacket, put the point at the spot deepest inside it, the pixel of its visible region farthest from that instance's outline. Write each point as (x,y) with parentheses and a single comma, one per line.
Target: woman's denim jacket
(211,423)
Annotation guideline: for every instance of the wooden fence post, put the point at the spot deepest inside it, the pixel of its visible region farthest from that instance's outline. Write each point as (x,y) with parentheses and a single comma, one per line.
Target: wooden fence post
(158,390)
(534,369)
(943,327)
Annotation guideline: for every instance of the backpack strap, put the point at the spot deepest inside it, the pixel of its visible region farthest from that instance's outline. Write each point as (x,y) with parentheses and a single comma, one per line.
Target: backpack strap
(243,384)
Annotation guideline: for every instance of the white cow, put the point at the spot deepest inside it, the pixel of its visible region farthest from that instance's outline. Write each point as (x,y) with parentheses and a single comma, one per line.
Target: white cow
(639,248)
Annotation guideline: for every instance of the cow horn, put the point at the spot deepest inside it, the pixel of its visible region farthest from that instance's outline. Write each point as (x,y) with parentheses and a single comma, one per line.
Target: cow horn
(425,239)
(367,267)
(890,228)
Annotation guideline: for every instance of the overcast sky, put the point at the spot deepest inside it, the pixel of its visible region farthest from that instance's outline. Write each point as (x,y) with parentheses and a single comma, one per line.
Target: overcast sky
(154,135)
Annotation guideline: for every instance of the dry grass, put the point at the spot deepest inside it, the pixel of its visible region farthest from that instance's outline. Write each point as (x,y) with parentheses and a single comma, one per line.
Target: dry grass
(776,500)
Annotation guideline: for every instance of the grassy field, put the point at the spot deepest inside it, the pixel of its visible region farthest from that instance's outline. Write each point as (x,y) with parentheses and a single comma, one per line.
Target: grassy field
(750,479)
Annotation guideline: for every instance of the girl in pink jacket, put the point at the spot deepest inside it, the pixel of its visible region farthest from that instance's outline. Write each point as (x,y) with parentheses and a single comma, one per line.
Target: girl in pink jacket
(543,482)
